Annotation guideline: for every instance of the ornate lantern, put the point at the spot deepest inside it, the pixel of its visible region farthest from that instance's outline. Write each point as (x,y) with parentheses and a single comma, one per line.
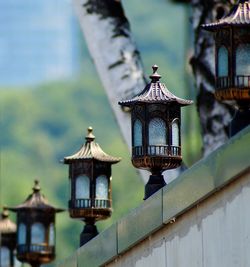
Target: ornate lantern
(90,180)
(7,240)
(36,229)
(232,61)
(156,124)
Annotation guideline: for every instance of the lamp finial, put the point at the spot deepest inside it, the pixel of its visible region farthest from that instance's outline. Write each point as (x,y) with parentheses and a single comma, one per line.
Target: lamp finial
(90,137)
(155,77)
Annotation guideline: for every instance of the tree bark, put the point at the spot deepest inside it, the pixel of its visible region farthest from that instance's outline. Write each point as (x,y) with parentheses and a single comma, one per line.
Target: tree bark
(214,116)
(117,60)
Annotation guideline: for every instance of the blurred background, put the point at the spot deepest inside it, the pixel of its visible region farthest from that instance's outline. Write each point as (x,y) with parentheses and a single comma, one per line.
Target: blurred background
(50,93)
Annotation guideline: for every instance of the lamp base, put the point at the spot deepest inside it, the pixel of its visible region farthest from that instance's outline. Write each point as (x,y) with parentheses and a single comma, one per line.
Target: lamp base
(155,183)
(89,232)
(240,120)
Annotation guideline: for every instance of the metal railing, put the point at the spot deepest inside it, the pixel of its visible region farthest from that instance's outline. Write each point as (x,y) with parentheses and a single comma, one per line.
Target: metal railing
(157,151)
(239,81)
(90,203)
(102,203)
(82,203)
(242,81)
(35,248)
(223,82)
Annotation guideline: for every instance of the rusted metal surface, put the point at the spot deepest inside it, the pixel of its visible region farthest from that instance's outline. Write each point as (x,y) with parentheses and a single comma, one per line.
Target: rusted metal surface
(6,225)
(238,16)
(91,150)
(36,201)
(7,238)
(156,103)
(210,200)
(90,163)
(35,211)
(155,92)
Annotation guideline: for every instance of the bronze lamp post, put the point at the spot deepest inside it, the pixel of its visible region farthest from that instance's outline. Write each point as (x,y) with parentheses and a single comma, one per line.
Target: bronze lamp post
(35,229)
(7,240)
(155,125)
(90,182)
(232,62)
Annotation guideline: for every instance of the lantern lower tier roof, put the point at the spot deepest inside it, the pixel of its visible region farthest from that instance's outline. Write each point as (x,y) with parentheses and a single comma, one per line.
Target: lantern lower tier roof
(91,150)
(156,92)
(238,16)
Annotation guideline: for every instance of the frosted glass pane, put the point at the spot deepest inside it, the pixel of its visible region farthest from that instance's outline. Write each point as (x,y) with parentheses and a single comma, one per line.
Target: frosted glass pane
(175,134)
(5,257)
(137,133)
(82,187)
(102,187)
(243,60)
(37,233)
(21,234)
(222,62)
(157,132)
(51,235)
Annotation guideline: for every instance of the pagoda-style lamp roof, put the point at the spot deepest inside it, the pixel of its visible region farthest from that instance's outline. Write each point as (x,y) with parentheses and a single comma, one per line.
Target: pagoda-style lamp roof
(238,16)
(37,201)
(155,130)
(92,151)
(6,225)
(155,92)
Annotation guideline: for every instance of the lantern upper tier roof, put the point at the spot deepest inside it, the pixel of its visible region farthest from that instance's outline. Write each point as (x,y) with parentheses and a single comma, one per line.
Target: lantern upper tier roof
(6,225)
(91,150)
(155,92)
(238,16)
(36,200)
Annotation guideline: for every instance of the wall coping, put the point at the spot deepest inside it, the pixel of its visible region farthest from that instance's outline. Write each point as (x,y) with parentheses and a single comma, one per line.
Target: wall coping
(193,186)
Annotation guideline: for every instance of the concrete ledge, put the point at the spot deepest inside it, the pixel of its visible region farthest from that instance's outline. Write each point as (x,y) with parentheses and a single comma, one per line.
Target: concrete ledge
(190,188)
(69,262)
(206,176)
(99,250)
(140,222)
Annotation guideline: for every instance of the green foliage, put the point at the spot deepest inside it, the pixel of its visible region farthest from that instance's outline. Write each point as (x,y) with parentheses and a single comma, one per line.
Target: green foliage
(43,125)
(39,126)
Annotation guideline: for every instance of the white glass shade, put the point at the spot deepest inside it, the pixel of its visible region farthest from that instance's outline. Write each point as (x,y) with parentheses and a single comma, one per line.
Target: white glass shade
(157,132)
(22,231)
(37,233)
(4,257)
(82,187)
(175,134)
(51,234)
(223,62)
(243,60)
(102,187)
(137,133)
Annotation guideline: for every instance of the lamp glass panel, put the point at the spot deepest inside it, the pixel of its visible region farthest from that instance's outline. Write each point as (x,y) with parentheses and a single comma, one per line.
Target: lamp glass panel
(243,60)
(52,234)
(223,62)
(157,132)
(175,134)
(37,233)
(137,133)
(82,187)
(4,257)
(22,231)
(102,187)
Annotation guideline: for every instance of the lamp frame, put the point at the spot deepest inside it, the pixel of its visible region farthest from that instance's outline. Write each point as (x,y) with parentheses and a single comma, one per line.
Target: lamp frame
(155,101)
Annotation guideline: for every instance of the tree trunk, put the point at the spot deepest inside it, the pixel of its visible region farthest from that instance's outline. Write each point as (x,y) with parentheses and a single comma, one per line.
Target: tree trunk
(117,60)
(214,116)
